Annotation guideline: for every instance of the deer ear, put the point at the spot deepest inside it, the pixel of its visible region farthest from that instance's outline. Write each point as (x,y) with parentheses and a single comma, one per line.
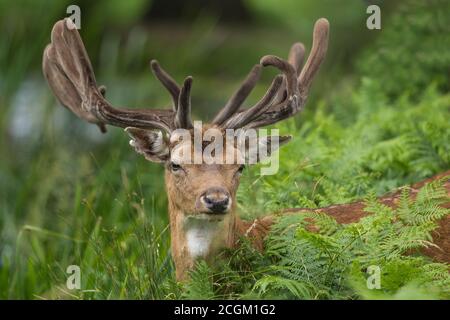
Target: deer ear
(153,145)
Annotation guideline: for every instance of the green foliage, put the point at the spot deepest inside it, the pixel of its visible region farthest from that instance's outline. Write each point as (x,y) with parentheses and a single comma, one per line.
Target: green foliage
(414,47)
(120,243)
(201,285)
(332,263)
(340,159)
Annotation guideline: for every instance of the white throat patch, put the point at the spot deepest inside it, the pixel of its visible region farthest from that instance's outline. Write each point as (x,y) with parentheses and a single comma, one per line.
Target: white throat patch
(201,231)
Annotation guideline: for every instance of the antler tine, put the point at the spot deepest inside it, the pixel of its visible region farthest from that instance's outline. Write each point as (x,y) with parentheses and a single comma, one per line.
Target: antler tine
(287,69)
(60,84)
(69,73)
(183,115)
(316,56)
(167,81)
(240,119)
(292,95)
(239,96)
(296,56)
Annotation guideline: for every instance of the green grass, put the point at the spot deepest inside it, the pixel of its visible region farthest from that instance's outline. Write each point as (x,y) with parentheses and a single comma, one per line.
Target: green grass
(70,211)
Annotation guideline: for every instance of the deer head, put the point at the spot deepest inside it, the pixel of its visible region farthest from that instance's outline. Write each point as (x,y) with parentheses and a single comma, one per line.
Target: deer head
(201,195)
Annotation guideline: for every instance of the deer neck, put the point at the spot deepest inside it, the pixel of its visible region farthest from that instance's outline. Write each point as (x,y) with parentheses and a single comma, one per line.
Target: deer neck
(198,237)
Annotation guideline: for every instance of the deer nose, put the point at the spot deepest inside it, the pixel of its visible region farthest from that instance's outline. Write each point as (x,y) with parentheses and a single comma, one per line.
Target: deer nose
(216,200)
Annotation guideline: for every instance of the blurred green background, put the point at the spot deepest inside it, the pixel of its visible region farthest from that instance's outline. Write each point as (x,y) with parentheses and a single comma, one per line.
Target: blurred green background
(377,118)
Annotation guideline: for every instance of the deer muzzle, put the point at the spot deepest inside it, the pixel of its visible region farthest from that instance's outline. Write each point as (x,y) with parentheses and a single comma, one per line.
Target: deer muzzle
(216,201)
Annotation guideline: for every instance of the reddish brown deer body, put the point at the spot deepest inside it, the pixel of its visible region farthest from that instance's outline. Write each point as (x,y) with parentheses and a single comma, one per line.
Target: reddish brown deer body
(201,196)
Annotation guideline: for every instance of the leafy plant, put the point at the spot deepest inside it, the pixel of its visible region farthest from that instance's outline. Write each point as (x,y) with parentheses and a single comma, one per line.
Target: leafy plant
(414,44)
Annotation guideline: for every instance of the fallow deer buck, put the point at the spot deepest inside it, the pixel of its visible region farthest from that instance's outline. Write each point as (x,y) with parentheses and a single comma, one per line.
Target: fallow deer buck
(202,197)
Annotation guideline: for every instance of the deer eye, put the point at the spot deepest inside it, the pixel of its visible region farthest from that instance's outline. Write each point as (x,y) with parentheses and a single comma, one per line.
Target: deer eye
(241,168)
(174,167)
